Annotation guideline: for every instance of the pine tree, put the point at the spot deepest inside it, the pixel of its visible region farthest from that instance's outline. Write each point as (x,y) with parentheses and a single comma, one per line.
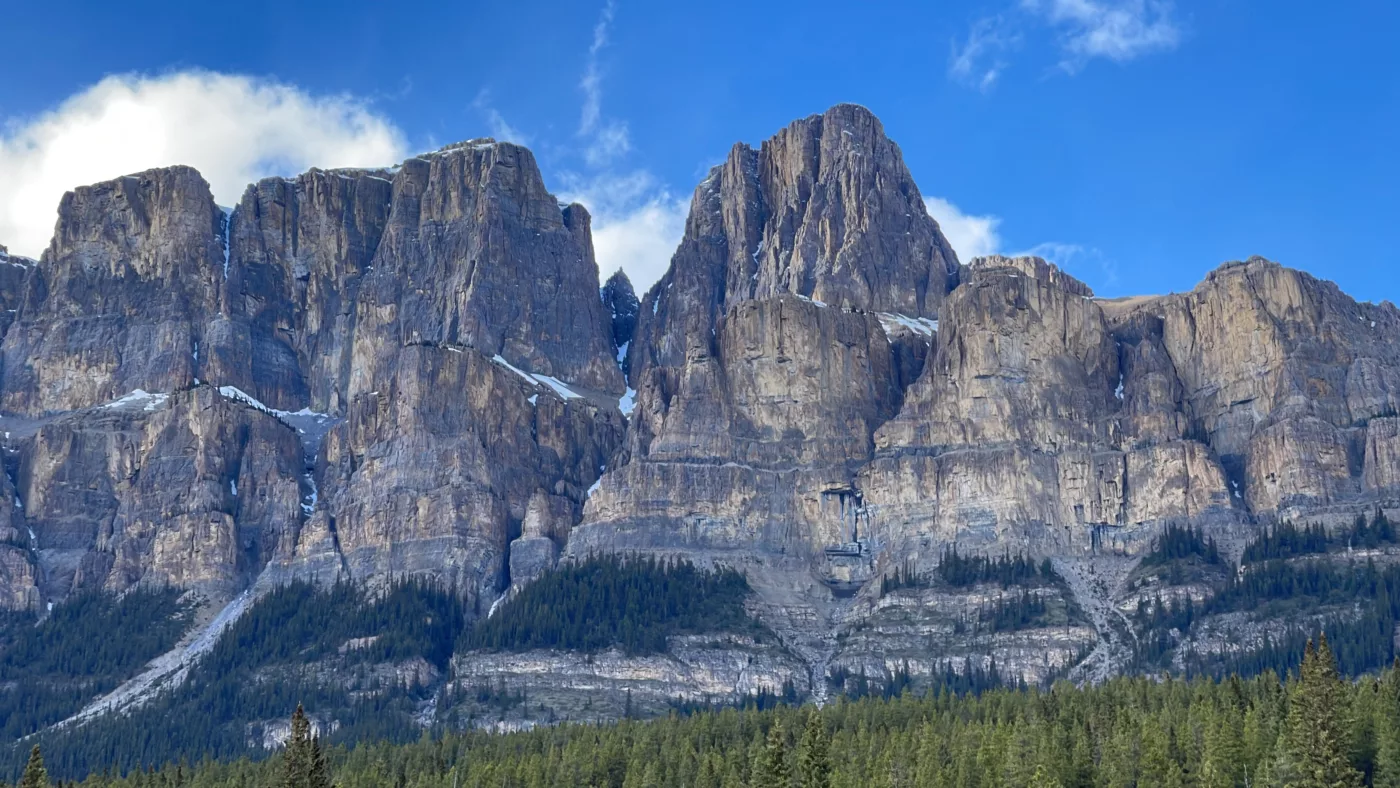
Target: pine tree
(35,775)
(1223,752)
(813,763)
(319,773)
(771,767)
(1317,745)
(1159,768)
(1388,730)
(303,763)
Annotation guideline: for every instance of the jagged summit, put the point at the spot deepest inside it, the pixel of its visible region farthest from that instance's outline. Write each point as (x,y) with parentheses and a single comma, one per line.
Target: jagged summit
(1033,267)
(414,372)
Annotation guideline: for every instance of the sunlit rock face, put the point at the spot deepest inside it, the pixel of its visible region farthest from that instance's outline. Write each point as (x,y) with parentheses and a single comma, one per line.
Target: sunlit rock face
(405,357)
(800,304)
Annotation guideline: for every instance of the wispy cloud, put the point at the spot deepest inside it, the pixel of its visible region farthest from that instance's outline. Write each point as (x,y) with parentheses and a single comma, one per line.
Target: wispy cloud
(234,129)
(979,60)
(971,235)
(1082,30)
(495,121)
(637,220)
(607,139)
(1118,30)
(1085,262)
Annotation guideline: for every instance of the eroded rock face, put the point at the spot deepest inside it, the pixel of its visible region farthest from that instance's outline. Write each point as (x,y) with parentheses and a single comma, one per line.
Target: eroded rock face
(1282,373)
(435,320)
(822,394)
(432,474)
(476,253)
(1014,437)
(193,490)
(300,248)
(763,359)
(129,286)
(483,370)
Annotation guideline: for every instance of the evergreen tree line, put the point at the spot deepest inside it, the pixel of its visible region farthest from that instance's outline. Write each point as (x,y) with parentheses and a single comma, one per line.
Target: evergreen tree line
(633,603)
(1364,640)
(1287,540)
(961,571)
(85,647)
(285,650)
(1312,729)
(1177,543)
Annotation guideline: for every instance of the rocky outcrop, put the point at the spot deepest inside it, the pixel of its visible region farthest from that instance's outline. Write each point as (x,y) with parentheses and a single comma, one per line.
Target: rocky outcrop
(483,371)
(123,296)
(413,371)
(194,490)
(300,248)
(762,360)
(476,253)
(441,320)
(703,669)
(620,301)
(1014,437)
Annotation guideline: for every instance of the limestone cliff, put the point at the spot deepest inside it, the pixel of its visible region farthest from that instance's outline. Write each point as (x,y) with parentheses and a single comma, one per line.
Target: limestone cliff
(402,360)
(413,371)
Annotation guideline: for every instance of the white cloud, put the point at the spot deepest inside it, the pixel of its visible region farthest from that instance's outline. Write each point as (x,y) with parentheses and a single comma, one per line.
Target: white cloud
(233,129)
(1115,29)
(1078,260)
(637,223)
(971,236)
(1118,30)
(608,139)
(979,61)
(496,122)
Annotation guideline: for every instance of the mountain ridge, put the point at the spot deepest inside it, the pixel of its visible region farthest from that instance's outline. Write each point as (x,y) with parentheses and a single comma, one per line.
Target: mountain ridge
(413,371)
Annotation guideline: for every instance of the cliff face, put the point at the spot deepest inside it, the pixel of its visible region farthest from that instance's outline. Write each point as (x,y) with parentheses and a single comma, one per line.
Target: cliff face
(368,373)
(761,359)
(413,371)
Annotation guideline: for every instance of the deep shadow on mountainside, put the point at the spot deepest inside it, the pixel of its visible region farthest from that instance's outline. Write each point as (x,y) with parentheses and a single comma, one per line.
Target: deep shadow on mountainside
(407,381)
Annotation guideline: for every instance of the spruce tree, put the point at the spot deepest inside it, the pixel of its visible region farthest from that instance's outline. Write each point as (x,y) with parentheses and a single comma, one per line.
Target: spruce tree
(1317,744)
(35,775)
(813,762)
(771,767)
(1388,730)
(318,773)
(303,764)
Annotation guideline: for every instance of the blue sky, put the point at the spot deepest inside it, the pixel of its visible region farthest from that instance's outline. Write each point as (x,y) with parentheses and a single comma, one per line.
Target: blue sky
(1138,143)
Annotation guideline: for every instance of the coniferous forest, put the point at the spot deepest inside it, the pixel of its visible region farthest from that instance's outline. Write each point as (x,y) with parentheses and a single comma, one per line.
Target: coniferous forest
(1286,713)
(1313,728)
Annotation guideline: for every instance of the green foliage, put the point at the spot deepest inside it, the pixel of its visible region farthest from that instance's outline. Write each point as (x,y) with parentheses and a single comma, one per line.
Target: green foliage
(770,769)
(1278,589)
(303,763)
(1131,732)
(1286,540)
(302,623)
(87,646)
(1317,745)
(813,755)
(961,571)
(633,603)
(298,644)
(35,775)
(1176,544)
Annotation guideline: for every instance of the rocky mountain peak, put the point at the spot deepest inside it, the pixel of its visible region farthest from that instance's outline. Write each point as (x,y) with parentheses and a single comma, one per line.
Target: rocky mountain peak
(1034,267)
(620,300)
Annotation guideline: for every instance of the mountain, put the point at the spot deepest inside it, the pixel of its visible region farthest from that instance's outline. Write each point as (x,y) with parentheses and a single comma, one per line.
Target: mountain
(834,453)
